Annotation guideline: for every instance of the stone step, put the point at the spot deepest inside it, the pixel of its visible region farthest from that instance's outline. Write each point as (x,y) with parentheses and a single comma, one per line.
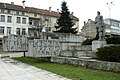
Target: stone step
(82,48)
(78,54)
(12,54)
(4,56)
(85,58)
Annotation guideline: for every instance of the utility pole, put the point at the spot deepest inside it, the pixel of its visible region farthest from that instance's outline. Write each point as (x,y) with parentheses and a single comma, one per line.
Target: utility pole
(110,5)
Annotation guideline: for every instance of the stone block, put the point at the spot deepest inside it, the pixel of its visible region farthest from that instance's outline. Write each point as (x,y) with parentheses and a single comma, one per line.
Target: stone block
(97,44)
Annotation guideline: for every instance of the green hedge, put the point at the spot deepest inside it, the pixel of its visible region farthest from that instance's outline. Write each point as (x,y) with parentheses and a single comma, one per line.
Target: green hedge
(113,40)
(111,53)
(89,41)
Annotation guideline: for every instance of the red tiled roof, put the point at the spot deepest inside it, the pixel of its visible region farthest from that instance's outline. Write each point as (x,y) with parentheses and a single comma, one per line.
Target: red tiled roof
(32,10)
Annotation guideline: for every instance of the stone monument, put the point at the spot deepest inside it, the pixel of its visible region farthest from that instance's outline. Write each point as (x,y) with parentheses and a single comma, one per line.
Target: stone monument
(15,43)
(100,27)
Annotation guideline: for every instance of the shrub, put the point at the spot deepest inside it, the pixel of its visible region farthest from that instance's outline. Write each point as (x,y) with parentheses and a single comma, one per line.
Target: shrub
(109,53)
(113,40)
(87,42)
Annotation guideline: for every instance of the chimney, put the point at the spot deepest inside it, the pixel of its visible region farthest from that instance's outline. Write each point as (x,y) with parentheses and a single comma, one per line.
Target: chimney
(49,9)
(57,10)
(71,13)
(84,23)
(89,22)
(23,4)
(12,3)
(89,19)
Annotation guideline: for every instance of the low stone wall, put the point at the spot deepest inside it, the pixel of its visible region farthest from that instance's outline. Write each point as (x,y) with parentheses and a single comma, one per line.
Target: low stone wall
(77,51)
(63,37)
(89,63)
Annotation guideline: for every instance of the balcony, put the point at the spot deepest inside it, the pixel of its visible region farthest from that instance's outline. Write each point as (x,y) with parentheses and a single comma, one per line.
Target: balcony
(32,26)
(46,29)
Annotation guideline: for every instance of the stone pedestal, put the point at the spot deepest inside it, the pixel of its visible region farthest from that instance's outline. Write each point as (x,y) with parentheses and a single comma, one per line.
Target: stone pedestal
(98,44)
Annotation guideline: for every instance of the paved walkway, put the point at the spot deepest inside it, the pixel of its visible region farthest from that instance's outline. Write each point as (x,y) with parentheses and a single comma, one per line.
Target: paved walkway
(14,70)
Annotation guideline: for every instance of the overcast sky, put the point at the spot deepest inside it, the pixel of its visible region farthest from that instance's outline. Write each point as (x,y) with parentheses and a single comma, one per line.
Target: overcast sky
(83,9)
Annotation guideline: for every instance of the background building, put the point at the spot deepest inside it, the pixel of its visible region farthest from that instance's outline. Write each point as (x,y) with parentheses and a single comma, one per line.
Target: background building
(22,20)
(112,28)
(89,29)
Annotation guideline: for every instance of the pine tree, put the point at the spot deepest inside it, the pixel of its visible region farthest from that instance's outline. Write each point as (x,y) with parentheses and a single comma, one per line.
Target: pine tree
(65,22)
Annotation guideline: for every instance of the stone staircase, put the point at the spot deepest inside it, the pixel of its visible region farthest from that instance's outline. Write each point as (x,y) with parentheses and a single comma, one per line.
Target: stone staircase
(82,51)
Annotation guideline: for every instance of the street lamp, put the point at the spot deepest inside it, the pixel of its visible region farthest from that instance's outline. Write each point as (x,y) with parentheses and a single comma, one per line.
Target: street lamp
(110,4)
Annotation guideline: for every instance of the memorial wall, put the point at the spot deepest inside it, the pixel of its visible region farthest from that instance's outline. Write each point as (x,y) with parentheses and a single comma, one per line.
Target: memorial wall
(15,43)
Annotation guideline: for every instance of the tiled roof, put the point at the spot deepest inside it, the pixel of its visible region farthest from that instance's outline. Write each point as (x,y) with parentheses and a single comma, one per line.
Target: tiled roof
(32,10)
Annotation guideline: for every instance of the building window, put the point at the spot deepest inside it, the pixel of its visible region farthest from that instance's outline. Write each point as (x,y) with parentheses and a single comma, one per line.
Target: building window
(2,10)
(30,22)
(23,13)
(23,31)
(8,11)
(36,23)
(47,18)
(2,18)
(18,20)
(20,13)
(35,15)
(5,11)
(8,30)
(119,24)
(24,20)
(9,19)
(18,31)
(1,30)
(116,24)
(17,12)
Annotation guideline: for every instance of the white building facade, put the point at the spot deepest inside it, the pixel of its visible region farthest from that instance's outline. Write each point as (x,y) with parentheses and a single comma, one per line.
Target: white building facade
(18,20)
(11,22)
(113,27)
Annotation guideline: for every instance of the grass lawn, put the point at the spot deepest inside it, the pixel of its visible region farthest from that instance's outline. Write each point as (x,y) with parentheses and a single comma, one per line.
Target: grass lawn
(74,73)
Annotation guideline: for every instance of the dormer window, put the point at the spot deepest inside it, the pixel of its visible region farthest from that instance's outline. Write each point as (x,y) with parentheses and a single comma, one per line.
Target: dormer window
(5,11)
(23,13)
(8,11)
(17,12)
(20,13)
(46,18)
(2,10)
(30,22)
(35,15)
